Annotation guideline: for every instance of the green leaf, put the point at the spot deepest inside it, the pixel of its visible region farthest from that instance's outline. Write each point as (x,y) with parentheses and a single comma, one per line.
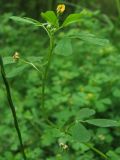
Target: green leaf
(8,60)
(79,133)
(17,71)
(113,155)
(90,38)
(85,113)
(49,136)
(50,17)
(103,122)
(72,18)
(64,47)
(106,101)
(26,20)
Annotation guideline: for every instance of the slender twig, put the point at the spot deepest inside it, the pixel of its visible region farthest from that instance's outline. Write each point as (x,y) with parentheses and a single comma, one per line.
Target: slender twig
(30,63)
(12,106)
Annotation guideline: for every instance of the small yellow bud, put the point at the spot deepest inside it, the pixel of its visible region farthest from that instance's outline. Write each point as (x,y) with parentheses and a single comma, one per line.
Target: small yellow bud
(16,56)
(60,8)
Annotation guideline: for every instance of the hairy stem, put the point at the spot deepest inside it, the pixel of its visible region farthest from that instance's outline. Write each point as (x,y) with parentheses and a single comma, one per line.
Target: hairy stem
(12,107)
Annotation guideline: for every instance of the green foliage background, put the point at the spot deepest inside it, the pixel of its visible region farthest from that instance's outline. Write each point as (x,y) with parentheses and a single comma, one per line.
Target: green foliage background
(90,78)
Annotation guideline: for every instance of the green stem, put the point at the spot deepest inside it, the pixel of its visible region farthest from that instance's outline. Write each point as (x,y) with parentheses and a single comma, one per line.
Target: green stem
(118,6)
(97,151)
(44,78)
(12,107)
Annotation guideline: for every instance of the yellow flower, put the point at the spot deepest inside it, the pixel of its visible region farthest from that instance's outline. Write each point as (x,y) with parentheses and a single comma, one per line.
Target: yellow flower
(60,8)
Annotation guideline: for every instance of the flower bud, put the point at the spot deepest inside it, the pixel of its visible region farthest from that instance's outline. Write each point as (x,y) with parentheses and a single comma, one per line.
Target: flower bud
(60,8)
(63,146)
(16,56)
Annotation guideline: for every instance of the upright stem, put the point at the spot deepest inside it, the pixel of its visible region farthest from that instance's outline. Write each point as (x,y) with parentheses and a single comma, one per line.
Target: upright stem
(118,6)
(12,107)
(44,78)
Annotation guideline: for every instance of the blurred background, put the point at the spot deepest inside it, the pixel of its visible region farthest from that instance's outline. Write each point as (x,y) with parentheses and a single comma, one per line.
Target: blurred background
(90,77)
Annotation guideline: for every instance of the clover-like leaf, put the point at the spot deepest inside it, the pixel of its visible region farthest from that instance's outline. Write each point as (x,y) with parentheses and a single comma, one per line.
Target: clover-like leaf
(73,18)
(64,47)
(103,122)
(85,113)
(51,18)
(8,60)
(80,133)
(90,38)
(17,71)
(26,20)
